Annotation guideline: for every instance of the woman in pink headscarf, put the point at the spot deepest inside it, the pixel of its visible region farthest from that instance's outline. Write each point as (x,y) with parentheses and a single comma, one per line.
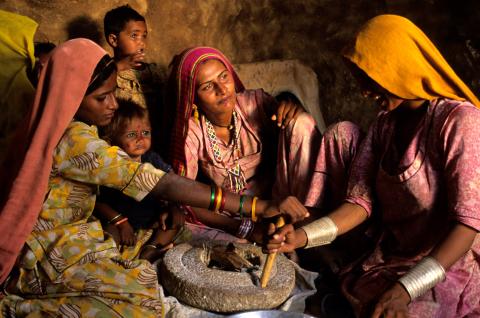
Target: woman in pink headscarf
(242,140)
(63,263)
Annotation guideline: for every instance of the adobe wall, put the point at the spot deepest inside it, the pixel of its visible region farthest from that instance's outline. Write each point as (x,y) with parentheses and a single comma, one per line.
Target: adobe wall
(312,31)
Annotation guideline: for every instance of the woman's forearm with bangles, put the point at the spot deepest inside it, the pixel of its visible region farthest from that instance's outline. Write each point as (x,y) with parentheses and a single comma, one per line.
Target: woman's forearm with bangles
(186,191)
(174,188)
(324,230)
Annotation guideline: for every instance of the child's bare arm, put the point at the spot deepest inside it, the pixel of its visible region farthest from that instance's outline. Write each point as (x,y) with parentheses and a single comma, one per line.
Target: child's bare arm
(105,211)
(116,220)
(171,218)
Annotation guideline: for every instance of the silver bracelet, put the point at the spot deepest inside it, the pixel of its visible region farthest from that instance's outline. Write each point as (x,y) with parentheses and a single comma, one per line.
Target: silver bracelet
(245,228)
(422,277)
(320,232)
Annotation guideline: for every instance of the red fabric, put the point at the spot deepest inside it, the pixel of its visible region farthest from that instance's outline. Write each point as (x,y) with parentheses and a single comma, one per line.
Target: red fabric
(62,86)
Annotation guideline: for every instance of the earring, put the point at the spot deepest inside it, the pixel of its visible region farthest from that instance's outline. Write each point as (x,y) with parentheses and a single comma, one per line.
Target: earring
(195,112)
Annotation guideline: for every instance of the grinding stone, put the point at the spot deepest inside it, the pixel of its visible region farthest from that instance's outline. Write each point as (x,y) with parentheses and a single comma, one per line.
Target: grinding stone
(184,274)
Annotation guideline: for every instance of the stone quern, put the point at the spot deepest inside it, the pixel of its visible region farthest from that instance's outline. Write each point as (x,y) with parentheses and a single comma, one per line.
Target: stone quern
(188,273)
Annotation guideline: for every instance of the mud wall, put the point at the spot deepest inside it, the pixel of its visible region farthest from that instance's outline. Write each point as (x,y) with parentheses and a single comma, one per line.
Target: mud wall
(312,31)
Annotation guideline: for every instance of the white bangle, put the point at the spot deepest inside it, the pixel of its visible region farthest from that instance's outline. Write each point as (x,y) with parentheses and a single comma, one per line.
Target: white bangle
(422,277)
(245,228)
(320,232)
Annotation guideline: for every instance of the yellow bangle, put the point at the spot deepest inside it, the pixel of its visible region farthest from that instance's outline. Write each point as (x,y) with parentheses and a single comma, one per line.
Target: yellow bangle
(254,204)
(218,199)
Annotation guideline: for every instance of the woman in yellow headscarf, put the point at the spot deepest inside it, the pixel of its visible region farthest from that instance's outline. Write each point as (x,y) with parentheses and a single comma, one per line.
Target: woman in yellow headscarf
(16,62)
(419,170)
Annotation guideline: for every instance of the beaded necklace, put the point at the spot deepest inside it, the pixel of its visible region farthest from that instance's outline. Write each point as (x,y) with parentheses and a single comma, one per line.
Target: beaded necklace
(235,180)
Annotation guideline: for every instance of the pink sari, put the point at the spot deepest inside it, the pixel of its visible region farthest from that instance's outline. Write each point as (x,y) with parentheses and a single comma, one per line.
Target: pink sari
(437,184)
(268,157)
(258,148)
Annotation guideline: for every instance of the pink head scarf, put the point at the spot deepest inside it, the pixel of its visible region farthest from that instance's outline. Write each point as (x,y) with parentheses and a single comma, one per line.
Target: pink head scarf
(61,88)
(185,71)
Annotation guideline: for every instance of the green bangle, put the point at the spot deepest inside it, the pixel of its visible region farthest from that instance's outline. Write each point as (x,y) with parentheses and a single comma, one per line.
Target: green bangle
(212,198)
(240,208)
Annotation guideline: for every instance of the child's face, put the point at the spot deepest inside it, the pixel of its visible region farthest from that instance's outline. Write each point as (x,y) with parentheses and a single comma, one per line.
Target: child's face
(133,38)
(135,139)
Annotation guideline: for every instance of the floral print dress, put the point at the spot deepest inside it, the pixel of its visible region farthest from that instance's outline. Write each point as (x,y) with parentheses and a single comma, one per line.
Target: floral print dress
(67,266)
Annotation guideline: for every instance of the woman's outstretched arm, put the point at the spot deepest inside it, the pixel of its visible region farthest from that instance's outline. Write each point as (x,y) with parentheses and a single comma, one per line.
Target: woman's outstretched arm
(172,187)
(345,218)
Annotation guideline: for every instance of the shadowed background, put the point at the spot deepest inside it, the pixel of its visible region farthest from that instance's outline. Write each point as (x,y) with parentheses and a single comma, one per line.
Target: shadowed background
(313,31)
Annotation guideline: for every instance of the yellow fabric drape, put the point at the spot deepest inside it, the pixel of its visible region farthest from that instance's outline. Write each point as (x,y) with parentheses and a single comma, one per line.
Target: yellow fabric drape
(399,56)
(16,56)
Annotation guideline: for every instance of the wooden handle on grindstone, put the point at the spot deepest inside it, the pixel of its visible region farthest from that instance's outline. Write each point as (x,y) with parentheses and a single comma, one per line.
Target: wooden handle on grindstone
(267,268)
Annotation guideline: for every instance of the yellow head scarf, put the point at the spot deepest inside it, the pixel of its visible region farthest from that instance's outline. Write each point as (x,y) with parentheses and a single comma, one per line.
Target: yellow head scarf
(16,56)
(399,56)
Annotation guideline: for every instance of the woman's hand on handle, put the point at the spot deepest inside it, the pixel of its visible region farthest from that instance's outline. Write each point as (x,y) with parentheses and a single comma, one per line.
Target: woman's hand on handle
(285,239)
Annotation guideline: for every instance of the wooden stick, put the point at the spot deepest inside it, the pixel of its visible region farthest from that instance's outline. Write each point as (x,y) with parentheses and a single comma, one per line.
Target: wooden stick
(267,268)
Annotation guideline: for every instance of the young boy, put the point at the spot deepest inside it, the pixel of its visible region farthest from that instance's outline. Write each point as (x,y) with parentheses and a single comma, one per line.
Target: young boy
(141,228)
(126,32)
